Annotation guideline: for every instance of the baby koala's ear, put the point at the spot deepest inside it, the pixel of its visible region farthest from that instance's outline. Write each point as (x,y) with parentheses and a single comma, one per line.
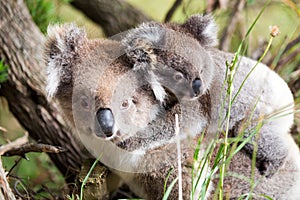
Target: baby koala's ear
(140,42)
(64,48)
(203,28)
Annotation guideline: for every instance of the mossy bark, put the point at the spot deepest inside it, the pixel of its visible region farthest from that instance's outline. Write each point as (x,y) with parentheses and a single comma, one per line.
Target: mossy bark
(95,187)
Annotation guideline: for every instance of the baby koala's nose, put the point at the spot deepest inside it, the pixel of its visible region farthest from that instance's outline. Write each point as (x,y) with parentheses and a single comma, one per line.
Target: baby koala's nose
(196,85)
(106,121)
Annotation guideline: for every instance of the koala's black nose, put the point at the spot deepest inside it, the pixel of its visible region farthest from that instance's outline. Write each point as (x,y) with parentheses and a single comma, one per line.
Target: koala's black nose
(106,121)
(196,85)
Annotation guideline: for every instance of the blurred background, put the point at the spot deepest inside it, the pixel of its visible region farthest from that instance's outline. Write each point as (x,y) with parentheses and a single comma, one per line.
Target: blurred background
(233,18)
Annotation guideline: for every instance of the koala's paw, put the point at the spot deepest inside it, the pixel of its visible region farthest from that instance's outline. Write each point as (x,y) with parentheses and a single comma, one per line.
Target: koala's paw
(268,168)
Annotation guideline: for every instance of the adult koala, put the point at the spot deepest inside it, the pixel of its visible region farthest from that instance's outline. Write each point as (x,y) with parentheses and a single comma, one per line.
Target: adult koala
(200,69)
(121,116)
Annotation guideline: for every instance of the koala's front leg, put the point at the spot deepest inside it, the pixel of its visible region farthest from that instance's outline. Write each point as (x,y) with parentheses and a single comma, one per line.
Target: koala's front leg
(272,147)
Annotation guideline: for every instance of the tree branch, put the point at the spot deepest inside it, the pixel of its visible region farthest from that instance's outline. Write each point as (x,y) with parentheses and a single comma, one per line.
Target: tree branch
(286,59)
(211,5)
(294,83)
(3,129)
(292,44)
(15,144)
(288,47)
(114,16)
(21,48)
(172,10)
(32,147)
(5,191)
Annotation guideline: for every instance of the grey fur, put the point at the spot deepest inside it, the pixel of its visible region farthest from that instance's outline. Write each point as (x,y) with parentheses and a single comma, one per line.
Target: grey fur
(178,49)
(162,58)
(203,28)
(99,72)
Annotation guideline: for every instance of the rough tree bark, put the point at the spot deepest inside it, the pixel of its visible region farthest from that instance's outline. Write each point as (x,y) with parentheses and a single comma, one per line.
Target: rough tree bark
(5,191)
(112,15)
(21,47)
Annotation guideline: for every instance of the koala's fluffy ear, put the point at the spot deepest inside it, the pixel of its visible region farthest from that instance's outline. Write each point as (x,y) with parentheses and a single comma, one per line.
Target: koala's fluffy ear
(203,28)
(140,42)
(64,48)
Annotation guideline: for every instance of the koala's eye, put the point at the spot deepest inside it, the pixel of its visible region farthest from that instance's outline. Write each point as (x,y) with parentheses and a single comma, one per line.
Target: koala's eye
(84,102)
(178,76)
(134,100)
(125,104)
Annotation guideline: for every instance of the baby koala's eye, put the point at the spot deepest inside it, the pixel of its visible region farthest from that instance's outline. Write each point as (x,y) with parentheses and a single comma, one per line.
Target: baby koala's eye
(134,100)
(178,76)
(125,104)
(84,102)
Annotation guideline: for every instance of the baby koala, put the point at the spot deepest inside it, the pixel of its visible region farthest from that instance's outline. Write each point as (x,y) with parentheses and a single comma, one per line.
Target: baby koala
(180,58)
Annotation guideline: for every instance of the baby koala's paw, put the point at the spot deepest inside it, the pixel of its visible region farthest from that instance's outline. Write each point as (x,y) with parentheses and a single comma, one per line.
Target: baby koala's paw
(268,168)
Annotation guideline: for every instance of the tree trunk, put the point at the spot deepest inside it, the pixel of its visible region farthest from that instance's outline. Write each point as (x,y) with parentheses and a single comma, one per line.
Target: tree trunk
(114,16)
(21,48)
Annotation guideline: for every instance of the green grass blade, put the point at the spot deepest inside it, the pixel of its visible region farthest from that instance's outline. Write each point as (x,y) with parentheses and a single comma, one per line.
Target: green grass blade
(167,178)
(87,176)
(266,196)
(166,195)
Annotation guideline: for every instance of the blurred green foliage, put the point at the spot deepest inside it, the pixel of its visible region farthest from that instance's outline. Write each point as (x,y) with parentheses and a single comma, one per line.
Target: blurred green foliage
(35,173)
(3,72)
(42,12)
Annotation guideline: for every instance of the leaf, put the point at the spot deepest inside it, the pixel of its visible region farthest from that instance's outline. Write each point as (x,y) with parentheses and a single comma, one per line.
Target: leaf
(3,71)
(166,195)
